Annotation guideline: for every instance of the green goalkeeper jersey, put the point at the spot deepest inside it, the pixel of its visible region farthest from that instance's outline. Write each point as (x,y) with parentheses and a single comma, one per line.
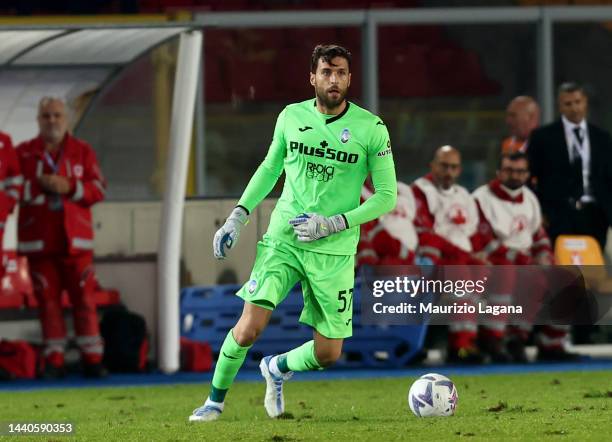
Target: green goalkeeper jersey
(326,160)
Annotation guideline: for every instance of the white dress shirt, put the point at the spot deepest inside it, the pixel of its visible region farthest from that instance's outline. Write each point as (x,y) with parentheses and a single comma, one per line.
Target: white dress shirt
(584,150)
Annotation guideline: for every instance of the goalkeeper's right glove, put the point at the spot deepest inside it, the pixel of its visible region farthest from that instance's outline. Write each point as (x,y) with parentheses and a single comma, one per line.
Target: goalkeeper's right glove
(227,235)
(312,226)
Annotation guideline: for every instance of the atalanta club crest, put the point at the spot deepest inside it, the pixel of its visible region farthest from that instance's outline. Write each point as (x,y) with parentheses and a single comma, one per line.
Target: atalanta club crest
(346,135)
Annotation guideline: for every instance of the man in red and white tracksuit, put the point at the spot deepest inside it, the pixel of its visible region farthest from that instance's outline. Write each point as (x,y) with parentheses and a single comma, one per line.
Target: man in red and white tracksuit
(511,227)
(62,180)
(446,220)
(390,239)
(11,182)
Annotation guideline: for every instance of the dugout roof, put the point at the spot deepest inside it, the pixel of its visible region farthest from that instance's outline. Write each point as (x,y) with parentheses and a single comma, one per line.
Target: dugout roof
(69,61)
(79,47)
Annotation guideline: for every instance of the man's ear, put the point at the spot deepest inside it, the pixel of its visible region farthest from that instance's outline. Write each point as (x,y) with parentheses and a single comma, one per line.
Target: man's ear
(312,79)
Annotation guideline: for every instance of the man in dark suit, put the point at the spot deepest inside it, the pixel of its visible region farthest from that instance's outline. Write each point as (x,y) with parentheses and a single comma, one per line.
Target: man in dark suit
(571,162)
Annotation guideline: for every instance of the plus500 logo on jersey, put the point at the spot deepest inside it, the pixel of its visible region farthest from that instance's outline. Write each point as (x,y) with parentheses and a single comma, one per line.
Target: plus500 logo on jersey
(324,152)
(319,172)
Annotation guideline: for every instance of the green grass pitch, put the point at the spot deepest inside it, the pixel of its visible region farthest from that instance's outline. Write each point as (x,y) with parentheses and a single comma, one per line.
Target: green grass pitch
(570,406)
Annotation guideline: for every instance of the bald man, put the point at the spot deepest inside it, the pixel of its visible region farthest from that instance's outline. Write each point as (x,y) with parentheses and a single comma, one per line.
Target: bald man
(444,209)
(522,117)
(446,221)
(62,181)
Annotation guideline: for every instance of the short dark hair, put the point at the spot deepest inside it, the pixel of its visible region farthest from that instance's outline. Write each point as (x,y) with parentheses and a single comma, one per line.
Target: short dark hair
(328,53)
(514,156)
(570,87)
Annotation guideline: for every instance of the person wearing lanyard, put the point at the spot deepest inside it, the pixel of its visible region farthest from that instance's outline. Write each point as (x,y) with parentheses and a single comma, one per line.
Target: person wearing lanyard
(11,182)
(571,167)
(62,180)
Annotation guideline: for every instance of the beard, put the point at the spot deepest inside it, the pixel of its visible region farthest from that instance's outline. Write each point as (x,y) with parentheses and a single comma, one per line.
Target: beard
(513,184)
(444,182)
(326,100)
(447,184)
(54,134)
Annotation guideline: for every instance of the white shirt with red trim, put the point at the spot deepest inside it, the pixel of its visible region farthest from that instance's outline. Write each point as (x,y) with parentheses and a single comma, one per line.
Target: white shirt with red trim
(514,216)
(454,211)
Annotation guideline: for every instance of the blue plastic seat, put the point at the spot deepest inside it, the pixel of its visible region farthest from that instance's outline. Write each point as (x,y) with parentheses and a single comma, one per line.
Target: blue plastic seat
(208,313)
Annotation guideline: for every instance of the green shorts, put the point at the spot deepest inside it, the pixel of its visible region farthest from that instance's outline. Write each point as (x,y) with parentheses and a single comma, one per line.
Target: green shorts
(327,285)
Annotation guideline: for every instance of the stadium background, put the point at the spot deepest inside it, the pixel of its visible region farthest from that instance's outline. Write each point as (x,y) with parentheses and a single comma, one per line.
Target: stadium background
(438,84)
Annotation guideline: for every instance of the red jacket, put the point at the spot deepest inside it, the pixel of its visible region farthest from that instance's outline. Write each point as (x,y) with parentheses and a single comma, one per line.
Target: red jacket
(11,179)
(41,228)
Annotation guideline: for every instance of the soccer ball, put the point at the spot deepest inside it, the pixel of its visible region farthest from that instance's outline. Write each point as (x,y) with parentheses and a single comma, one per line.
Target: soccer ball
(434,377)
(433,395)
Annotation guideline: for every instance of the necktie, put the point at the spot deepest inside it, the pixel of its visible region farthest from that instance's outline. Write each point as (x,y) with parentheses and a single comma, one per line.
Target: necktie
(578,187)
(578,133)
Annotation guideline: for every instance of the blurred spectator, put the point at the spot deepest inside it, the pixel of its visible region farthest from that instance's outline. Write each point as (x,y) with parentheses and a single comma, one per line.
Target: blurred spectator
(446,214)
(446,219)
(571,164)
(390,239)
(511,216)
(62,181)
(10,188)
(522,117)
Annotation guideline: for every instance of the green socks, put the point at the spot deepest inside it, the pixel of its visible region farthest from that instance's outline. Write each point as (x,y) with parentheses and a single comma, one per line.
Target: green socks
(231,357)
(281,363)
(299,359)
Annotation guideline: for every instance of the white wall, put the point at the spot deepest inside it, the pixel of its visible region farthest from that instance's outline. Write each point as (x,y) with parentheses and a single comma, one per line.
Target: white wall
(132,229)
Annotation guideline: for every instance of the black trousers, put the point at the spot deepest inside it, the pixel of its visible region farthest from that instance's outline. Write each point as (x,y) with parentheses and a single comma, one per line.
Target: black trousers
(590,220)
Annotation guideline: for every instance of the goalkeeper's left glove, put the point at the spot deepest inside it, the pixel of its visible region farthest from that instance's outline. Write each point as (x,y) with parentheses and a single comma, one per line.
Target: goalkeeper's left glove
(311,226)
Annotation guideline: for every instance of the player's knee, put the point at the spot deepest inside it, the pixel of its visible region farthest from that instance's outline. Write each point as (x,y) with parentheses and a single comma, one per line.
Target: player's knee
(246,335)
(327,357)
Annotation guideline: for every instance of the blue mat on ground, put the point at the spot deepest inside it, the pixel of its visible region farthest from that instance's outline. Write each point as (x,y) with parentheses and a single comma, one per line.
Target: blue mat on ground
(150,379)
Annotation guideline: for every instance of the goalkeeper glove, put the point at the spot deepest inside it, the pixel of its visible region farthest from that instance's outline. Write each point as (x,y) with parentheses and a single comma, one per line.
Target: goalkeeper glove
(228,234)
(311,226)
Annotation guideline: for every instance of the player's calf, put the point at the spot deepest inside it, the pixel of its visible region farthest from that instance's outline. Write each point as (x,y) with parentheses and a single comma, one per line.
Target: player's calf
(326,357)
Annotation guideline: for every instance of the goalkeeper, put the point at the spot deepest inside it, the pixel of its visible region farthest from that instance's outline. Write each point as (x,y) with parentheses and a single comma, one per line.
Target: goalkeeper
(326,146)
